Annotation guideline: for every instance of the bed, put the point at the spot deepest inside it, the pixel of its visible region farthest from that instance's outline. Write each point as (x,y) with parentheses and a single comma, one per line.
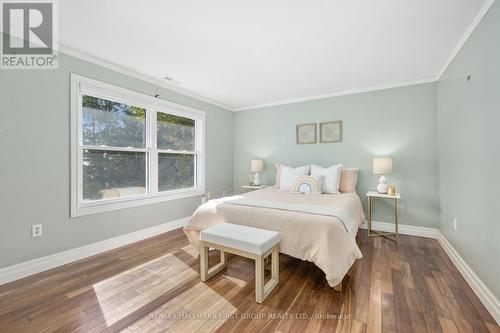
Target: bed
(317,228)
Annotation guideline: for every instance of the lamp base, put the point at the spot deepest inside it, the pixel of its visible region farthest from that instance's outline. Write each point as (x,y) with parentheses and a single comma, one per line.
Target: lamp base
(382,186)
(256,179)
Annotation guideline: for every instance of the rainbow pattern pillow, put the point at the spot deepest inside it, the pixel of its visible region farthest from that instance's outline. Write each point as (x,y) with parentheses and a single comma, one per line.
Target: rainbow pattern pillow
(306,185)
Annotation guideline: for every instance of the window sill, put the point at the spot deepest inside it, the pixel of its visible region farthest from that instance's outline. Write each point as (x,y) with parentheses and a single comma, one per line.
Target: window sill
(101,206)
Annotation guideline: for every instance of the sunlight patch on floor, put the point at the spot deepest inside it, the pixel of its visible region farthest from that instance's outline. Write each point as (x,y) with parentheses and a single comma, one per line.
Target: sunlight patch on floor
(205,307)
(123,294)
(155,264)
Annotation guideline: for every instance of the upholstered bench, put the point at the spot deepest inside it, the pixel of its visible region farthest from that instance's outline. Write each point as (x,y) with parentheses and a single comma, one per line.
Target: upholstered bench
(252,243)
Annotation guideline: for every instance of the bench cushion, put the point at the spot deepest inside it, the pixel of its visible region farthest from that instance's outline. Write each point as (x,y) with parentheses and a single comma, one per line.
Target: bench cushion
(248,239)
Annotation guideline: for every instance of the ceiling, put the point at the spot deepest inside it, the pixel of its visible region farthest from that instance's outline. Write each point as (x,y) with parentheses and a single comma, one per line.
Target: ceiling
(247,53)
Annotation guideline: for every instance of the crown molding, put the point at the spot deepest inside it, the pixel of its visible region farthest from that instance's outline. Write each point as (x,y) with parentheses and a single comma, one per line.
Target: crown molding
(109,64)
(341,93)
(83,55)
(468,32)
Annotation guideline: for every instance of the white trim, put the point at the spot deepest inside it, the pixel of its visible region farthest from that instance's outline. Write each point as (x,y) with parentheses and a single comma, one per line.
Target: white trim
(101,206)
(109,64)
(404,229)
(81,85)
(341,93)
(83,55)
(468,32)
(485,295)
(109,91)
(129,149)
(489,300)
(38,265)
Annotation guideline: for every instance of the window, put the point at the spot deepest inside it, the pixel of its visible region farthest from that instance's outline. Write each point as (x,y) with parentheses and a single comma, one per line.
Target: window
(131,149)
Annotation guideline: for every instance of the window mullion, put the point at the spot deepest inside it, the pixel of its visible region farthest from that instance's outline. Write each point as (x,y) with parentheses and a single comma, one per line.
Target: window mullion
(200,154)
(178,152)
(153,155)
(120,149)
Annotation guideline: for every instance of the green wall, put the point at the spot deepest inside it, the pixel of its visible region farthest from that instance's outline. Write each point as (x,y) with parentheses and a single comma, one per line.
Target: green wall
(443,137)
(469,150)
(397,122)
(35,163)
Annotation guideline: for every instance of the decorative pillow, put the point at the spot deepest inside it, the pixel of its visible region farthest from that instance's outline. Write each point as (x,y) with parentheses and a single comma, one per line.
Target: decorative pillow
(331,177)
(306,185)
(289,174)
(348,180)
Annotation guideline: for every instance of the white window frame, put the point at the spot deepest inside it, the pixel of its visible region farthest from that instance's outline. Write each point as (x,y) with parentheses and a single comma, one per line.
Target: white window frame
(84,86)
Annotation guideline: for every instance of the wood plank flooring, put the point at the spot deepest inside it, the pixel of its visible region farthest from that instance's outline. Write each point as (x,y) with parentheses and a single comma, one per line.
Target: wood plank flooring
(154,286)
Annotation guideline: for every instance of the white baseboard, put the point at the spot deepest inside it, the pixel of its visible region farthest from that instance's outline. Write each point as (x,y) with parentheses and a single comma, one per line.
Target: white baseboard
(404,229)
(483,293)
(38,265)
(34,266)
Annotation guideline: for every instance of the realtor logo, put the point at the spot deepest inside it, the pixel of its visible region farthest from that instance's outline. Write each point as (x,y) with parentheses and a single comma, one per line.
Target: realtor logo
(29,34)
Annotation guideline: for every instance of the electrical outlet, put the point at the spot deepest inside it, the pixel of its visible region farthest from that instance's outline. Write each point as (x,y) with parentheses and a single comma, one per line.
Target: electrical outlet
(36,230)
(455,223)
(224,193)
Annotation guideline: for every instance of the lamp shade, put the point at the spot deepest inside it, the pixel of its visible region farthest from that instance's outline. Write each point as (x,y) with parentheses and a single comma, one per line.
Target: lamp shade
(382,165)
(257,165)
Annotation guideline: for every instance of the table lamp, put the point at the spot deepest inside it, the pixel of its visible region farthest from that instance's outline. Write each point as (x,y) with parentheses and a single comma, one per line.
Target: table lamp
(256,166)
(382,166)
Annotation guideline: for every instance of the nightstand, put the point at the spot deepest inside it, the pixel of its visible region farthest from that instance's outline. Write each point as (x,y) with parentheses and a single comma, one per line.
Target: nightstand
(391,235)
(253,187)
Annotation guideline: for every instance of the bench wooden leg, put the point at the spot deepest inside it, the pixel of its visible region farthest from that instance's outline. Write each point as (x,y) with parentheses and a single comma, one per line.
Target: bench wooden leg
(203,263)
(263,290)
(259,279)
(205,272)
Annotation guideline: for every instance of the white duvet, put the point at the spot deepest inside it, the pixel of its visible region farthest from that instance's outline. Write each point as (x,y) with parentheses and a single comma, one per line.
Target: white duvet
(317,228)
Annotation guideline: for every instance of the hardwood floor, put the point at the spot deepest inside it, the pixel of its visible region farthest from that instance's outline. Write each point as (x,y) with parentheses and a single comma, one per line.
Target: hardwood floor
(154,285)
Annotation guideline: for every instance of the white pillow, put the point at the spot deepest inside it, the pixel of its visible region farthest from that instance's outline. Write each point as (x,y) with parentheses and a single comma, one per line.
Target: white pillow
(289,174)
(331,177)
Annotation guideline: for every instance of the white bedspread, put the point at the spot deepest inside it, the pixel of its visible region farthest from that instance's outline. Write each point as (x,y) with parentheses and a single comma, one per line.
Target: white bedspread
(317,228)
(340,212)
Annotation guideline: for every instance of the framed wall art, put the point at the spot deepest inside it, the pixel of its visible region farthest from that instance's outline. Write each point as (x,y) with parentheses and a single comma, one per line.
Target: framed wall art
(330,132)
(306,134)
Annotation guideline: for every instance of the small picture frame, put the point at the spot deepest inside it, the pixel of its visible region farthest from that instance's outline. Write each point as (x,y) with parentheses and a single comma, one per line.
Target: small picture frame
(330,132)
(306,134)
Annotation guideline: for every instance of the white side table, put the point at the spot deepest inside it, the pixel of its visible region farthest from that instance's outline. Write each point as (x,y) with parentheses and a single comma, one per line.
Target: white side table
(253,187)
(391,235)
